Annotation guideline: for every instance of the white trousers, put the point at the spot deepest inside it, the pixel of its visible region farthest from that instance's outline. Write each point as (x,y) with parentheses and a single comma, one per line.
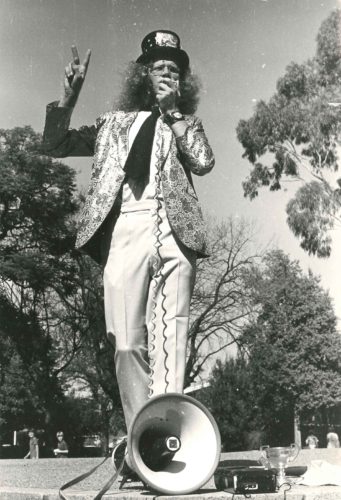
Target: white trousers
(148,284)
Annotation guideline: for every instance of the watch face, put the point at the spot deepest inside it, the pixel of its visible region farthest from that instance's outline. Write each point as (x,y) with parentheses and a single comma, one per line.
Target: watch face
(177,115)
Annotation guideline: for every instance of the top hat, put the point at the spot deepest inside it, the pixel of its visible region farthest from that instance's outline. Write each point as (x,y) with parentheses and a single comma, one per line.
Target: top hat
(163,44)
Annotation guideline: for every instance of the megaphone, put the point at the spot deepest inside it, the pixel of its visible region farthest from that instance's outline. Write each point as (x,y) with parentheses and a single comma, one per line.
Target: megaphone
(174,444)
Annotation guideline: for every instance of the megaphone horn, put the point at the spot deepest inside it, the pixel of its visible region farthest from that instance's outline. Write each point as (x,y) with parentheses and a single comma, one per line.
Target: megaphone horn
(174,444)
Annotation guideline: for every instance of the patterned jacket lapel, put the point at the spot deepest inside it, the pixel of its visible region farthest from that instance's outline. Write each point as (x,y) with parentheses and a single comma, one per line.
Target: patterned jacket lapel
(121,132)
(163,135)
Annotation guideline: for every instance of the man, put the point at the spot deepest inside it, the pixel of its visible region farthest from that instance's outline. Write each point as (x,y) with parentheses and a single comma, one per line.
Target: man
(62,450)
(141,219)
(33,452)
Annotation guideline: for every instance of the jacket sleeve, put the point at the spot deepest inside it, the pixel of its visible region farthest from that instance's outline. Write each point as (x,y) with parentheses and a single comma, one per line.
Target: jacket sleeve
(195,151)
(59,141)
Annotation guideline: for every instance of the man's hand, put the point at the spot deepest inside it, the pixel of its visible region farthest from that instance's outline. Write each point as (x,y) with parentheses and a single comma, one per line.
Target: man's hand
(167,97)
(74,78)
(167,94)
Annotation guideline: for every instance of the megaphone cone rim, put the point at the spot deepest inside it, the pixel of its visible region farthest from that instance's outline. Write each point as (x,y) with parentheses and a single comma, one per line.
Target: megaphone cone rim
(208,414)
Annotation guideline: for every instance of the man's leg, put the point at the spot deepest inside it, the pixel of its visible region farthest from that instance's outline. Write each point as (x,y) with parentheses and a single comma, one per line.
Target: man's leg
(126,281)
(168,311)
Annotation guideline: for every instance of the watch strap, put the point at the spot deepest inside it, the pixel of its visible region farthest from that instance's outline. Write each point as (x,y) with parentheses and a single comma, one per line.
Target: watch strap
(173,117)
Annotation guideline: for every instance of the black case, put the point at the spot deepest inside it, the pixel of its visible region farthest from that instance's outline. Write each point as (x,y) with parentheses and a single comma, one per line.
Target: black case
(245,480)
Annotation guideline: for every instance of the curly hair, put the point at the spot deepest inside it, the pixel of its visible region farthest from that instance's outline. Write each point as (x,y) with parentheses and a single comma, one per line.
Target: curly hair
(137,91)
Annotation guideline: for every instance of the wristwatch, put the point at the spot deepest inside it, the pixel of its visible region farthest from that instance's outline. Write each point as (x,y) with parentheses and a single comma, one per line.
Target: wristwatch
(173,117)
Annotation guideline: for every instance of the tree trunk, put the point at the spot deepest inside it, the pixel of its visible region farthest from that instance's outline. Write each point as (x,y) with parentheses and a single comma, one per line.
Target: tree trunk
(297,430)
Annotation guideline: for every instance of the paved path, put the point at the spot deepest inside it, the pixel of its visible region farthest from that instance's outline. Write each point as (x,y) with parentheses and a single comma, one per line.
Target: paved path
(41,479)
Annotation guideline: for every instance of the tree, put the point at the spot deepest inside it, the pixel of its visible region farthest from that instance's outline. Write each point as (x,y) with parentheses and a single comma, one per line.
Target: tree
(37,208)
(293,345)
(28,354)
(17,393)
(220,303)
(231,399)
(296,136)
(37,199)
(51,299)
(93,364)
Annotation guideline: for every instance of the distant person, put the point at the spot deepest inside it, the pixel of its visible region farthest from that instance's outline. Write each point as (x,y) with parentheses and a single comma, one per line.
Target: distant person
(312,441)
(62,450)
(34,446)
(332,439)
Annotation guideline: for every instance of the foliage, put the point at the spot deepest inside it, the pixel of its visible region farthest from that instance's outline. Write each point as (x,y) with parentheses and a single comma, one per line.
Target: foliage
(290,362)
(231,399)
(93,364)
(220,303)
(27,371)
(51,304)
(294,348)
(17,393)
(36,196)
(296,136)
(36,210)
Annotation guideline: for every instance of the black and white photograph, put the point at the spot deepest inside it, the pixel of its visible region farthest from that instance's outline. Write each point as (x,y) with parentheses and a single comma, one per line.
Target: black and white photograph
(170,249)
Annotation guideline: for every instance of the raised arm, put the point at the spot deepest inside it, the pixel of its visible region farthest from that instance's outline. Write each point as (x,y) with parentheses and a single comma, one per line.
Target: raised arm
(74,77)
(58,140)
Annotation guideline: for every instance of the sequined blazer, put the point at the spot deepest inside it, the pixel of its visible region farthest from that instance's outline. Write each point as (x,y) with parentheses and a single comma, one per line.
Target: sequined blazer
(107,140)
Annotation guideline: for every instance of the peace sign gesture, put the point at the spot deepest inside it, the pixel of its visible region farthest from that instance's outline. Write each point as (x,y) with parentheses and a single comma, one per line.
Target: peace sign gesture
(74,78)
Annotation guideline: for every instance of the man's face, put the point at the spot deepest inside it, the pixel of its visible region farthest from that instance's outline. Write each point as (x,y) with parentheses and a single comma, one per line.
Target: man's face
(164,71)
(60,437)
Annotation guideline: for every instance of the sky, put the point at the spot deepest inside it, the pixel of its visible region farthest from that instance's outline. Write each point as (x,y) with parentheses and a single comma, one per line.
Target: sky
(239,48)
